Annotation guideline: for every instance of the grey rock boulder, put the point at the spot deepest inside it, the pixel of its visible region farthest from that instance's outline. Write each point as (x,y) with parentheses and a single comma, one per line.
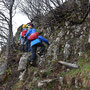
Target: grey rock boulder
(23,62)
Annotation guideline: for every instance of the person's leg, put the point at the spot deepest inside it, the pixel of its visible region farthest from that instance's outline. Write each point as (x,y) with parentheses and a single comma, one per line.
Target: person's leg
(42,48)
(29,48)
(26,45)
(33,55)
(22,47)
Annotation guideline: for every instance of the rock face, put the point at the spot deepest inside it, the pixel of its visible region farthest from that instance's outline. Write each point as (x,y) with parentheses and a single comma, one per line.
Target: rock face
(89,39)
(22,67)
(3,67)
(67,42)
(23,62)
(66,51)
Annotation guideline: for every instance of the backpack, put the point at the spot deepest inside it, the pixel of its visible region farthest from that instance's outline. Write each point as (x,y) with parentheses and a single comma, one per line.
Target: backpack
(33,36)
(23,33)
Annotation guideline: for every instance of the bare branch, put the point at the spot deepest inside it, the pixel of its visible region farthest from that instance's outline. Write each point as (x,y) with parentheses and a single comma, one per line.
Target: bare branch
(3,37)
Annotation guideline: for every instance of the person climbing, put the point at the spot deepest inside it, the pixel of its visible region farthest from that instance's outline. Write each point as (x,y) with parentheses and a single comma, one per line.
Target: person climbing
(41,50)
(22,39)
(35,41)
(34,45)
(30,31)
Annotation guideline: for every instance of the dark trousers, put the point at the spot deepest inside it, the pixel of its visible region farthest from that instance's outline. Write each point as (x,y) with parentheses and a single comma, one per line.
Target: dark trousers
(22,44)
(27,45)
(22,47)
(34,49)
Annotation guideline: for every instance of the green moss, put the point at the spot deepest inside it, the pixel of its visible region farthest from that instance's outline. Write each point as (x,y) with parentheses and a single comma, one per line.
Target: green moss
(1,59)
(54,61)
(8,71)
(18,86)
(33,69)
(50,70)
(83,70)
(50,86)
(49,57)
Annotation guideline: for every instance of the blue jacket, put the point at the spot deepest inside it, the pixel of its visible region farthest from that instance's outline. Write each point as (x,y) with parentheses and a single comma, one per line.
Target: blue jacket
(29,32)
(35,42)
(39,40)
(43,40)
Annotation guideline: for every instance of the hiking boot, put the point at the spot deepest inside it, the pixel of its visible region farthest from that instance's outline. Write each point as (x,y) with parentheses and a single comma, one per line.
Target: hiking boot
(39,53)
(32,63)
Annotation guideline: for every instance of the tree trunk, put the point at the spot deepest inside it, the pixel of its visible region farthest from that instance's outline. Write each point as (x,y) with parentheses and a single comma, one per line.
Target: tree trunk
(10,37)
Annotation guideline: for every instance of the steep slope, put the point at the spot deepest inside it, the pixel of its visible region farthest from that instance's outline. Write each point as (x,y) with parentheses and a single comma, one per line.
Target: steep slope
(69,42)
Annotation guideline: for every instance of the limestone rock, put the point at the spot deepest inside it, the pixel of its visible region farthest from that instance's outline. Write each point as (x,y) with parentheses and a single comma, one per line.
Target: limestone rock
(89,39)
(3,67)
(41,83)
(23,62)
(22,74)
(66,50)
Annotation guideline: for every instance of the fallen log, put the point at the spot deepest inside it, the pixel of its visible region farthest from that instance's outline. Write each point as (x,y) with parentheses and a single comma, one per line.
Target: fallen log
(69,64)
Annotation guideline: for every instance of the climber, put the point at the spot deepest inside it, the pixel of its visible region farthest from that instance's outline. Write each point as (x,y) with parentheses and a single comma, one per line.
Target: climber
(22,39)
(30,31)
(35,41)
(34,45)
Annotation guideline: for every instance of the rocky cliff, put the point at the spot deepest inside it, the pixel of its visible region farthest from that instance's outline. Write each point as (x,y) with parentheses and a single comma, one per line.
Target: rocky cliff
(69,42)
